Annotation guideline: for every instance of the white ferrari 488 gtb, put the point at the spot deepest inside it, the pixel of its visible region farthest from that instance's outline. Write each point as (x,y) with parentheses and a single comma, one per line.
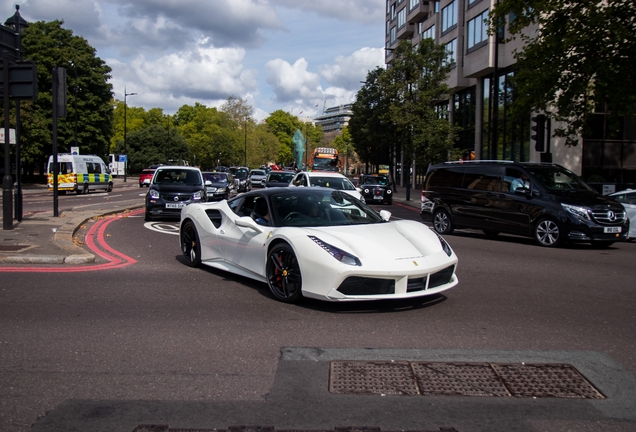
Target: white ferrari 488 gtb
(319,243)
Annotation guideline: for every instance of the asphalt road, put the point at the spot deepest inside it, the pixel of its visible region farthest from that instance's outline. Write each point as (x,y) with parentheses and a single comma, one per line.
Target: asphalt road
(158,342)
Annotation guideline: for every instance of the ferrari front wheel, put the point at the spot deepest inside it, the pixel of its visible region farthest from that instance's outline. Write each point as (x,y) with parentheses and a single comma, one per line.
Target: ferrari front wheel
(283,274)
(190,246)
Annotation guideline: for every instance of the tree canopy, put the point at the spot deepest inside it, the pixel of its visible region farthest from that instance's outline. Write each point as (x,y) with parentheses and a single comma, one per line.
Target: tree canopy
(89,95)
(579,60)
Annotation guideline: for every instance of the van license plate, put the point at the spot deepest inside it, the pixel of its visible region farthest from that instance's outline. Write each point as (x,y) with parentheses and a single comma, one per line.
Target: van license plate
(175,205)
(612,229)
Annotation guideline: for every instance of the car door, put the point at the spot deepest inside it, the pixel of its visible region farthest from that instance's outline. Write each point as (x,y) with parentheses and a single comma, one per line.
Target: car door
(476,207)
(241,246)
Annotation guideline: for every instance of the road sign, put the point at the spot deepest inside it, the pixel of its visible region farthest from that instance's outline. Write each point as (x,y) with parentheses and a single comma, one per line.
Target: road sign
(11,136)
(123,158)
(23,81)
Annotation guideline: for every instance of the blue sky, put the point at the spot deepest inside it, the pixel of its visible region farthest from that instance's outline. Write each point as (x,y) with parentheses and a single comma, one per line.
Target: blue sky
(294,55)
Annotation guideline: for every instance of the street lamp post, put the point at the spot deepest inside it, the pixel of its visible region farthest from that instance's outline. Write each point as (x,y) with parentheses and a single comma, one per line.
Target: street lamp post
(125,120)
(17,24)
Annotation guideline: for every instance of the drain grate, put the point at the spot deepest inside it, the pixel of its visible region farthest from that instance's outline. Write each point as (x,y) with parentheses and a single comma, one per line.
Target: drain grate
(167,428)
(460,379)
(12,248)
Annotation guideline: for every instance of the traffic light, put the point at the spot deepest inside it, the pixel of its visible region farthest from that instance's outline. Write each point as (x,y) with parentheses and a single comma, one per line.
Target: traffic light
(538,127)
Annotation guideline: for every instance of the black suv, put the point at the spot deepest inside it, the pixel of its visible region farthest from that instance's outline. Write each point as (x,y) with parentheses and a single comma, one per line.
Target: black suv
(375,188)
(540,200)
(242,177)
(171,189)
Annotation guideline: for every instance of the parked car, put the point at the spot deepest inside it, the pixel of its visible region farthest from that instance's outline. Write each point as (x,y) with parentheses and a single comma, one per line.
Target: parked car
(540,200)
(319,243)
(278,179)
(628,199)
(376,188)
(221,185)
(242,178)
(145,177)
(171,189)
(256,177)
(326,179)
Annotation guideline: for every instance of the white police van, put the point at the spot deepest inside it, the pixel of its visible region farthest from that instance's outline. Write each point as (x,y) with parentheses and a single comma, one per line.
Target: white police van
(79,174)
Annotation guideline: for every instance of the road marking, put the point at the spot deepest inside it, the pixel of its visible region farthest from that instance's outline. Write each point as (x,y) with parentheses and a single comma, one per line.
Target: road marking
(163,227)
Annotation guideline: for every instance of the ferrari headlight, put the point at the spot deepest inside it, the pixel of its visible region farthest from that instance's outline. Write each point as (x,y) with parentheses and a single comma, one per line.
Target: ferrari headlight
(580,212)
(153,194)
(339,254)
(197,195)
(445,245)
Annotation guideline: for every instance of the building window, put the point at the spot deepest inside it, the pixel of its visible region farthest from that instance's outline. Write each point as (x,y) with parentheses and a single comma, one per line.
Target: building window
(393,37)
(512,139)
(388,6)
(429,32)
(413,4)
(402,18)
(478,30)
(442,110)
(449,16)
(451,52)
(464,115)
(393,11)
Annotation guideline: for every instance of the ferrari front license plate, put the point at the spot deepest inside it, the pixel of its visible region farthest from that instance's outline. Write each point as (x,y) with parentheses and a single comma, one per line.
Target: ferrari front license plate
(612,229)
(175,205)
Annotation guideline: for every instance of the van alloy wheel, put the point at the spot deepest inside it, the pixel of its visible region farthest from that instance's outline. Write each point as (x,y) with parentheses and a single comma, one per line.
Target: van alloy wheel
(548,233)
(442,222)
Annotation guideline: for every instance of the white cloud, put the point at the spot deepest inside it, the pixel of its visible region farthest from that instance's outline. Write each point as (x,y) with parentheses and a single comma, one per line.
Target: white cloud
(347,72)
(291,82)
(206,75)
(347,10)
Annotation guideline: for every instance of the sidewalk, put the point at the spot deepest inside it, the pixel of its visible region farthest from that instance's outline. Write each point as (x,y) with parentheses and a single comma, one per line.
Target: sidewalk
(44,239)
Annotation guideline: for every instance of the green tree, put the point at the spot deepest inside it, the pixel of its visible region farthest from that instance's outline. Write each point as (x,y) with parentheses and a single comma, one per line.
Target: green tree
(372,135)
(155,144)
(580,59)
(89,95)
(212,136)
(414,84)
(136,120)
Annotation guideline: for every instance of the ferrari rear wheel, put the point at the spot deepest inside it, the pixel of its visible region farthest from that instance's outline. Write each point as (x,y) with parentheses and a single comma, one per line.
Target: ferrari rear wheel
(190,245)
(283,274)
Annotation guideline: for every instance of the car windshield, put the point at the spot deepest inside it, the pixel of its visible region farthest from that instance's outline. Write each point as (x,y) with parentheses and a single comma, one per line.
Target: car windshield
(215,177)
(304,207)
(558,179)
(376,180)
(240,174)
(177,176)
(340,183)
(280,177)
(257,173)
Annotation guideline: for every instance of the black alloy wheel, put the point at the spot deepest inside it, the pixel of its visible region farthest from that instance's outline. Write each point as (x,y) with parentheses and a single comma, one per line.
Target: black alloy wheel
(283,274)
(442,222)
(190,245)
(548,233)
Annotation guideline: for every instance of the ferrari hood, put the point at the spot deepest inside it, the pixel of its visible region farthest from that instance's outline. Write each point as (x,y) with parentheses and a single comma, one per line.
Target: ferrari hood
(391,240)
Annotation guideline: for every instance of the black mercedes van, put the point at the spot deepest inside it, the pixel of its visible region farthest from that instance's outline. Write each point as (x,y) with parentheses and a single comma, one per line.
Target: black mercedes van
(540,200)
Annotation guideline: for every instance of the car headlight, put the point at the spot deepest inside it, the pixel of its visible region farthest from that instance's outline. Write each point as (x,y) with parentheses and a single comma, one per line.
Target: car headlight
(221,190)
(580,212)
(445,246)
(197,195)
(366,191)
(339,254)
(153,194)
(389,191)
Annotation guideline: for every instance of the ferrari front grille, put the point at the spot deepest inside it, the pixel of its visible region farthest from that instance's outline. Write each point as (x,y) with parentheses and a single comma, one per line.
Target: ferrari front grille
(442,277)
(360,286)
(416,284)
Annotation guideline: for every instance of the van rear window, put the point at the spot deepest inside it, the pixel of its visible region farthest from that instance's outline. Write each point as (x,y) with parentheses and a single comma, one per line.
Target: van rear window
(445,177)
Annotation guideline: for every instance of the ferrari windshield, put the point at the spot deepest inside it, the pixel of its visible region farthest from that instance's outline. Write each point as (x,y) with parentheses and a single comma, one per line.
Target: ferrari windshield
(303,207)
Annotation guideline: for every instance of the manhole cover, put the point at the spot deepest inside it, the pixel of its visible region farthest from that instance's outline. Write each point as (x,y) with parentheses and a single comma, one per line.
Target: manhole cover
(460,379)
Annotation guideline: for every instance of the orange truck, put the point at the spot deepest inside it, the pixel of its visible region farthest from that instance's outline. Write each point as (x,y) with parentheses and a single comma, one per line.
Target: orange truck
(325,159)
